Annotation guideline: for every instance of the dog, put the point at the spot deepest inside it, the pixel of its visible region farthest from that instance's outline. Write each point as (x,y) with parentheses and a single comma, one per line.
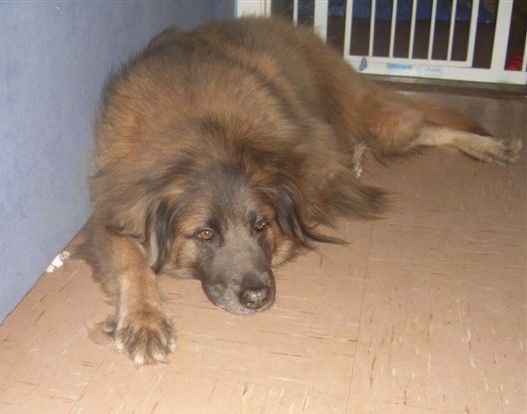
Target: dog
(219,152)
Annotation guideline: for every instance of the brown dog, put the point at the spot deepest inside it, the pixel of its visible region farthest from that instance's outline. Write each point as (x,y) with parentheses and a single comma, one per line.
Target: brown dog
(221,149)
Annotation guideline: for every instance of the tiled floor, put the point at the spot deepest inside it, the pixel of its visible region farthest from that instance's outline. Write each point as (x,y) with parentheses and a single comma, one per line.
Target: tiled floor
(423,312)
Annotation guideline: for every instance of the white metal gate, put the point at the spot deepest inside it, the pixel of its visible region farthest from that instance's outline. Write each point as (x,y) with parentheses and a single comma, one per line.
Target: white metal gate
(441,39)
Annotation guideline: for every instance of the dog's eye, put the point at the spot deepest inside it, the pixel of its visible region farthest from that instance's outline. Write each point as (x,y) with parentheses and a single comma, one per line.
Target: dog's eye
(206,234)
(260,225)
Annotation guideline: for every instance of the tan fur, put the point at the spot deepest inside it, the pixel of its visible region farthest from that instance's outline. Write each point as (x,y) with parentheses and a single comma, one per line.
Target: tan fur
(267,98)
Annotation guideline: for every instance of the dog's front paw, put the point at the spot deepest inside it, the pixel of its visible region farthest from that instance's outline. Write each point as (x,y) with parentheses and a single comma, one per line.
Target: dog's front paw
(147,337)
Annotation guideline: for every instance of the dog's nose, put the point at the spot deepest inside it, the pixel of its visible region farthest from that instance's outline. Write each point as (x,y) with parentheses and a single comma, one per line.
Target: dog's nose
(254,298)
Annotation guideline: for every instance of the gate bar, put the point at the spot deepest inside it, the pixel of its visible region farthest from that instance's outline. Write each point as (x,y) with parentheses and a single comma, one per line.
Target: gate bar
(451,30)
(392,29)
(320,18)
(347,28)
(501,36)
(524,63)
(412,31)
(432,30)
(372,26)
(472,34)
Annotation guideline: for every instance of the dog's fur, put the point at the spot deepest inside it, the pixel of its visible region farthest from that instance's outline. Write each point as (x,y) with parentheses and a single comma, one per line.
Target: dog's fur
(220,150)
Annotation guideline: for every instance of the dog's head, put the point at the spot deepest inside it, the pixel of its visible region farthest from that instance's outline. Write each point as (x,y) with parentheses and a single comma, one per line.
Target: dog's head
(220,231)
(214,223)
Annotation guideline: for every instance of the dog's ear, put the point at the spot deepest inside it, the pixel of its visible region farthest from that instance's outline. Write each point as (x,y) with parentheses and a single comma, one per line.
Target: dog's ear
(160,228)
(289,208)
(288,216)
(144,204)
(152,225)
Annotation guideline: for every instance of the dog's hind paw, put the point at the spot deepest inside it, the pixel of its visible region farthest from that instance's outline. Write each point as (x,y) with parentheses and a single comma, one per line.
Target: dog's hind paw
(513,146)
(489,149)
(146,337)
(507,152)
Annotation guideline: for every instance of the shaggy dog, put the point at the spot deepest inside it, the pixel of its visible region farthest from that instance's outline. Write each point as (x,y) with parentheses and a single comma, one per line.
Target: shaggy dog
(220,150)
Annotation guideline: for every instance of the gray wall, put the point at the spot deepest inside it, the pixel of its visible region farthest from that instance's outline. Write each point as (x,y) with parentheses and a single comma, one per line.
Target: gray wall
(54,58)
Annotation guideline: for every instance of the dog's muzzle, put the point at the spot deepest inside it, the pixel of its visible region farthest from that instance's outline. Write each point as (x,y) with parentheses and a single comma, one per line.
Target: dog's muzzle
(249,296)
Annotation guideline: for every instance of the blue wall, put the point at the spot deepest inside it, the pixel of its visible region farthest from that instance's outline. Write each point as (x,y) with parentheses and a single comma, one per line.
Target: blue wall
(54,59)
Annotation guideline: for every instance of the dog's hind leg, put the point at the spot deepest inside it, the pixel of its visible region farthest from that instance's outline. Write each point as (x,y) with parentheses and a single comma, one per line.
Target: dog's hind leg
(481,147)
(401,125)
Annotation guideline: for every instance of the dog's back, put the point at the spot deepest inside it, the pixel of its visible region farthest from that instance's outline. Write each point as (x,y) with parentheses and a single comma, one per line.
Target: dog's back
(242,65)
